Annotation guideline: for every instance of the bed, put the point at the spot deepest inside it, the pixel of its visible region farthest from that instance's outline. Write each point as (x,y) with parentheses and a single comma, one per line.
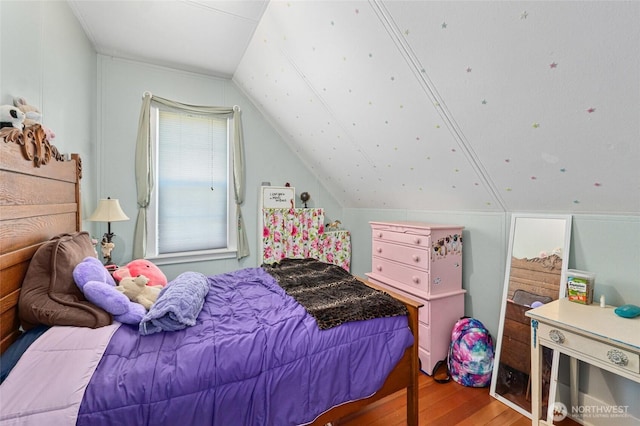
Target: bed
(40,198)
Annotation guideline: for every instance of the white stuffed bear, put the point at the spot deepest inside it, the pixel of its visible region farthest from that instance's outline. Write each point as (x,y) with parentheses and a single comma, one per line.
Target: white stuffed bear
(137,290)
(31,113)
(11,116)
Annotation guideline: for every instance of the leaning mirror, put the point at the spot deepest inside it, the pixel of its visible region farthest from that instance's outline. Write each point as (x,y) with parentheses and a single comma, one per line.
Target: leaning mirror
(536,266)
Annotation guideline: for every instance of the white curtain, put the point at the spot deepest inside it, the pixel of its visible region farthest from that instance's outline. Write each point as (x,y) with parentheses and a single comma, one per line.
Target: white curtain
(145,177)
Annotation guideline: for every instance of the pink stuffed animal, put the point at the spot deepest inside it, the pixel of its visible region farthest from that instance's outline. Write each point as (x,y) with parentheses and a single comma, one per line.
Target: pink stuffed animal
(50,133)
(141,267)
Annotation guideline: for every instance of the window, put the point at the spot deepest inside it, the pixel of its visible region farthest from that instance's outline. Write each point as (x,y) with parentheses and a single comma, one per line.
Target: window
(192,213)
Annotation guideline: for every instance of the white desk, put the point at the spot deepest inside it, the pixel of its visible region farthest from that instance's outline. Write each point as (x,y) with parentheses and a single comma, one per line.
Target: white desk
(587,333)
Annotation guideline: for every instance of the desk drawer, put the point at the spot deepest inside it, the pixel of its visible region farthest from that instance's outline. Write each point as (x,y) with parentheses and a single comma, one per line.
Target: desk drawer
(602,353)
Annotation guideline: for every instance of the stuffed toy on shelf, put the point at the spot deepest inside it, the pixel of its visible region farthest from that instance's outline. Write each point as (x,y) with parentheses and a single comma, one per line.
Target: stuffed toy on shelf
(11,116)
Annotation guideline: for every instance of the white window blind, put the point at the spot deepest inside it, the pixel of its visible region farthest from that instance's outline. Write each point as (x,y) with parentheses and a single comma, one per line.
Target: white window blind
(192,204)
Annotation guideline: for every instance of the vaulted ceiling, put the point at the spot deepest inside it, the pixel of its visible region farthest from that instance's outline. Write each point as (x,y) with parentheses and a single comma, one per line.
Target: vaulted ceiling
(435,105)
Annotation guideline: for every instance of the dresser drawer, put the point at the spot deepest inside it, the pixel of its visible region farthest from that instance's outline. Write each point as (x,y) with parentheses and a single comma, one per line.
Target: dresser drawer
(411,280)
(416,256)
(423,314)
(402,237)
(426,361)
(599,352)
(423,311)
(424,337)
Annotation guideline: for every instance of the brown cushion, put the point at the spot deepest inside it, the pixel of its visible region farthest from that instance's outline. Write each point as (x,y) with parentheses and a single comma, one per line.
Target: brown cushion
(49,294)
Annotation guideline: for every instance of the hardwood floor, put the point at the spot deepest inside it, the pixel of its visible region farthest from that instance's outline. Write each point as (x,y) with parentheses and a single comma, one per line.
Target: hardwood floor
(442,404)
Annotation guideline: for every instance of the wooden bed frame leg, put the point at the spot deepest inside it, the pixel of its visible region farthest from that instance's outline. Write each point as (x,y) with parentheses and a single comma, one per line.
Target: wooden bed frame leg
(412,406)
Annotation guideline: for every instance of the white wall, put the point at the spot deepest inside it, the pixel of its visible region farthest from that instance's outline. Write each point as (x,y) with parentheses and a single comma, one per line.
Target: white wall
(121,84)
(46,58)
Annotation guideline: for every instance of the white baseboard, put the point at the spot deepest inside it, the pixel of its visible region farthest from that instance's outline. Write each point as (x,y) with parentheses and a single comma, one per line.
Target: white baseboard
(594,412)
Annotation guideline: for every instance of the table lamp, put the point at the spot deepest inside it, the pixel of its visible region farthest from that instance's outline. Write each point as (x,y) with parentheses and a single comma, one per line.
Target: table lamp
(108,210)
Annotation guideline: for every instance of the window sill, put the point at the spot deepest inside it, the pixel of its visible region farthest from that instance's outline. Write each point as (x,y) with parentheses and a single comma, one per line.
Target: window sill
(175,258)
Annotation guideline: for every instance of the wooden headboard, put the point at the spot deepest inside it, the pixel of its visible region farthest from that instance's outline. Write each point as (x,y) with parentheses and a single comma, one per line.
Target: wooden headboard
(39,198)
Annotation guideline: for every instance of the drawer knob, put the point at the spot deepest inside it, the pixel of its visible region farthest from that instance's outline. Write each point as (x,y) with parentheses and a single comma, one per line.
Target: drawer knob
(556,336)
(617,357)
(379,249)
(379,234)
(379,268)
(416,240)
(415,258)
(416,280)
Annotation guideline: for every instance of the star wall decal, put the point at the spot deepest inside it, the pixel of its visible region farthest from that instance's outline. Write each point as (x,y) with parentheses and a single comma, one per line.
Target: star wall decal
(444,25)
(553,65)
(590,110)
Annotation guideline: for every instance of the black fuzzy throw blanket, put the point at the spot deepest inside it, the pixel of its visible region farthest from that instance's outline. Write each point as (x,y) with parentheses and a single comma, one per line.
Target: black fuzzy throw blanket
(330,294)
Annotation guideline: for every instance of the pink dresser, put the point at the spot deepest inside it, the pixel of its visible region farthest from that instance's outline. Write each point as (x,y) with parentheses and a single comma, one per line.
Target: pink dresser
(424,262)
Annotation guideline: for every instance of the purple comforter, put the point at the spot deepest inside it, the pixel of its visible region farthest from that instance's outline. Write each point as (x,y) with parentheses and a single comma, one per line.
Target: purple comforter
(254,357)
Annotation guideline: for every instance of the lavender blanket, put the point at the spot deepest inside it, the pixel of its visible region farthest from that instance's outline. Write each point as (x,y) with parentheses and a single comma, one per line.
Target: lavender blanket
(254,357)
(178,304)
